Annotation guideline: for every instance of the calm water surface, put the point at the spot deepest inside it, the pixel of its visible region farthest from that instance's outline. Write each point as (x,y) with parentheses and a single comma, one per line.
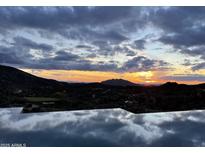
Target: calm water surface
(109,127)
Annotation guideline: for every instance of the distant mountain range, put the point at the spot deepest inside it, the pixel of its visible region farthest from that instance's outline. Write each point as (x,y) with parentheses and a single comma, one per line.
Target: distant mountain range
(14,79)
(35,94)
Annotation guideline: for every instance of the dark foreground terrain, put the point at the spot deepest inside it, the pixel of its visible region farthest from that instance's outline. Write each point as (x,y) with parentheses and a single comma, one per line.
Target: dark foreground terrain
(34,94)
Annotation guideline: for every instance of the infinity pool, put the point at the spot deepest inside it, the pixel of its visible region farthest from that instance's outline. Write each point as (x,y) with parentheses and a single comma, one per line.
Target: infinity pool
(108,127)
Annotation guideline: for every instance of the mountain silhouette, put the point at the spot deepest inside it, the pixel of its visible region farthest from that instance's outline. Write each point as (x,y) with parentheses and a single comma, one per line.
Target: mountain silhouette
(118,82)
(12,79)
(36,94)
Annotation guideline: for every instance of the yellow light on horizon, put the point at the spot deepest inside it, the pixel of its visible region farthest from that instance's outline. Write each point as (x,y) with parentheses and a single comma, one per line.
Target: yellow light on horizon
(148,77)
(91,76)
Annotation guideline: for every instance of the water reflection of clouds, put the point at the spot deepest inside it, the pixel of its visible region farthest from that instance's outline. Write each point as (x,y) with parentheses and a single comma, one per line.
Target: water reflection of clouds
(111,127)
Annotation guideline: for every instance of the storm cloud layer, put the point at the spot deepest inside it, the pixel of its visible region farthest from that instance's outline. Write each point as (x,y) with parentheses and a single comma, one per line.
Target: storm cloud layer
(118,39)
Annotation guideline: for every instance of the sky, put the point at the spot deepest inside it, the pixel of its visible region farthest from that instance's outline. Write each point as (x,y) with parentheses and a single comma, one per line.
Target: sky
(148,45)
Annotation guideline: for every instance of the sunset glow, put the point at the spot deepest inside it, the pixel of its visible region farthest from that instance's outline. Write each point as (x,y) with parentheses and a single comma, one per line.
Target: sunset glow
(74,44)
(95,76)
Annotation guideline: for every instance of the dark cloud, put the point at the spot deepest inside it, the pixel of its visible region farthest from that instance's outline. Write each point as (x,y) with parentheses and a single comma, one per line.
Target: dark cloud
(187,62)
(142,63)
(18,52)
(102,28)
(177,19)
(77,64)
(83,46)
(18,55)
(183,29)
(194,65)
(101,43)
(102,31)
(194,51)
(70,22)
(21,41)
(14,54)
(186,38)
(65,60)
(87,34)
(130,53)
(65,56)
(126,49)
(104,47)
(140,44)
(6,58)
(115,36)
(71,62)
(199,66)
(185,77)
